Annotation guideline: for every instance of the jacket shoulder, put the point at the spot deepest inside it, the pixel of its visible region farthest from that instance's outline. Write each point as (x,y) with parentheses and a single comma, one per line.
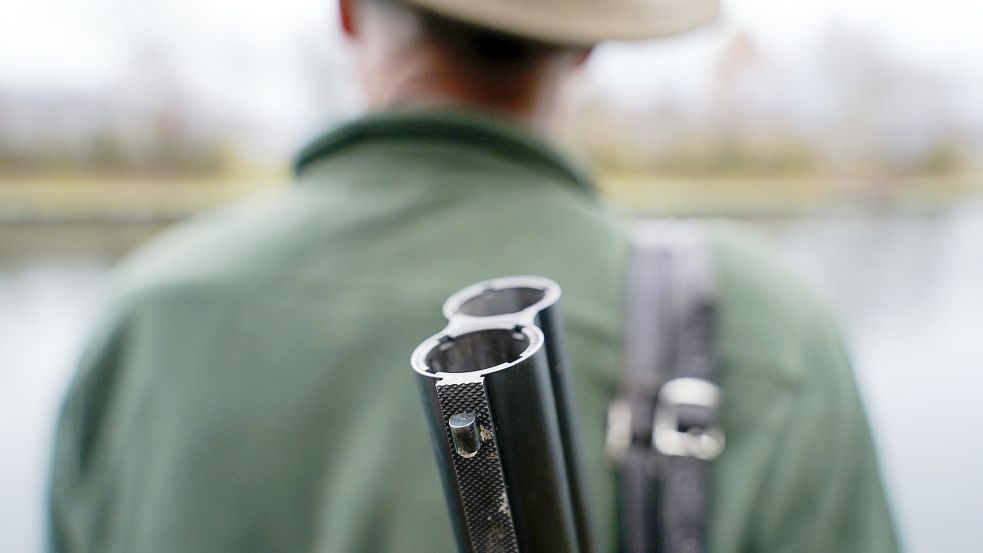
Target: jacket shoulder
(770,319)
(238,244)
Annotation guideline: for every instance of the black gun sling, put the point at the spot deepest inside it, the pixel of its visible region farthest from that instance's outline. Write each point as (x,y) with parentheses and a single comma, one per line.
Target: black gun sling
(662,426)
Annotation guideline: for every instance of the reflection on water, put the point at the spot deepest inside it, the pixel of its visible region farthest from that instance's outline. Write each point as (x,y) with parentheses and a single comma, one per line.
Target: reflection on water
(909,290)
(910,293)
(44,309)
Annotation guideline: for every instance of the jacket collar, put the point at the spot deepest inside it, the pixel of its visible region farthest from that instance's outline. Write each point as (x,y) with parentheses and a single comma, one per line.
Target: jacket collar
(453,126)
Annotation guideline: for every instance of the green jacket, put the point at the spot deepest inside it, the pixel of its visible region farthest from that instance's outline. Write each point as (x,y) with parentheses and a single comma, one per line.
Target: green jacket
(249,389)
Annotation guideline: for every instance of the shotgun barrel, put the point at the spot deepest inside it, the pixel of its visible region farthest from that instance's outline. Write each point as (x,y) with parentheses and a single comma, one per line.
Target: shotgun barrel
(498,398)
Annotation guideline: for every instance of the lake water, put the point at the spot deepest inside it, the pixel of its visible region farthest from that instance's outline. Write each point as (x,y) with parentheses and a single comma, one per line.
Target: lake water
(909,289)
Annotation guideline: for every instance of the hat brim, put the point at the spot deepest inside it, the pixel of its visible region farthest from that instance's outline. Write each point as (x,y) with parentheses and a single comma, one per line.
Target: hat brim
(579,23)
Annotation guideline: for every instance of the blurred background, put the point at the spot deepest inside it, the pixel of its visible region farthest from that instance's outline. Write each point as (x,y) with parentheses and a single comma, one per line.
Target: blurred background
(852,132)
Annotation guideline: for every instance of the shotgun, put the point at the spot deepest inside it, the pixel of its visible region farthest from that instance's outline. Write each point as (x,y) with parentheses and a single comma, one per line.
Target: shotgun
(499,404)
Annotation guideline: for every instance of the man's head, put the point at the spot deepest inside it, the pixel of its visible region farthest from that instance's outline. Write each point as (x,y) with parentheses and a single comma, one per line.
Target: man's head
(412,56)
(503,56)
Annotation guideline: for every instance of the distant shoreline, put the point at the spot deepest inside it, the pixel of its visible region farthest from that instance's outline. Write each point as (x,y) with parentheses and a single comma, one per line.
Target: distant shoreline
(93,200)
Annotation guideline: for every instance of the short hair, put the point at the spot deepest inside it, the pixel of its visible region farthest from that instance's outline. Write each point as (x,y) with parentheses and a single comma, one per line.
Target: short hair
(478,46)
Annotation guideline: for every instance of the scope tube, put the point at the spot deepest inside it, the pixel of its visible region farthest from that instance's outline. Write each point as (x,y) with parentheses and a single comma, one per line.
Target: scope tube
(489,399)
(534,300)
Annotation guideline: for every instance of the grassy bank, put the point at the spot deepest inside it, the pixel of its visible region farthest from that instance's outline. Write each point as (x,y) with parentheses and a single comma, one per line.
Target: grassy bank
(108,199)
(95,199)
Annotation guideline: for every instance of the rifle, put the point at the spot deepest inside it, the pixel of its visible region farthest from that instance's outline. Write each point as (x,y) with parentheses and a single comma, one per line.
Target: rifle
(500,409)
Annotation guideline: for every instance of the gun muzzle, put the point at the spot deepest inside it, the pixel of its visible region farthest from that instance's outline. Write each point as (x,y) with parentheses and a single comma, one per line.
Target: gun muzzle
(498,398)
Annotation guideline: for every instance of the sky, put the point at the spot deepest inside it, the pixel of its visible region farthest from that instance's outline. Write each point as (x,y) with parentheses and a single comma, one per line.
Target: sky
(256,59)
